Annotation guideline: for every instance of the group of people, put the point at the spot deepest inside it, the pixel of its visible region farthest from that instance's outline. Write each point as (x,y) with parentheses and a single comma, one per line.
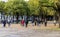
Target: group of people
(24,21)
(35,21)
(6,21)
(38,20)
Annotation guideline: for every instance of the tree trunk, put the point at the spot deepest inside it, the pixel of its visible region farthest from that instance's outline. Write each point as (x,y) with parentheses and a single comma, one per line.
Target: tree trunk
(59,20)
(17,17)
(45,22)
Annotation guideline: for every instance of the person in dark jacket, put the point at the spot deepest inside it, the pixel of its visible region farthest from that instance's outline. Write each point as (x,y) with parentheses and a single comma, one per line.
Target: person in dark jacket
(4,22)
(35,21)
(38,21)
(32,21)
(45,22)
(26,21)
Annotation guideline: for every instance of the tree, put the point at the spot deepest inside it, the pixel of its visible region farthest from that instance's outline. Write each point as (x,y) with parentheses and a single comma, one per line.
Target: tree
(17,7)
(34,7)
(47,7)
(58,10)
(2,4)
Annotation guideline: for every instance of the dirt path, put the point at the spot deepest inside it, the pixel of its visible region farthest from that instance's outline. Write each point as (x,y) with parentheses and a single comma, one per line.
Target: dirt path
(31,31)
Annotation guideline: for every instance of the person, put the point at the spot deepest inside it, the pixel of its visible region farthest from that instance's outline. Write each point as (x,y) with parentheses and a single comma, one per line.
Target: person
(26,21)
(35,21)
(9,21)
(55,22)
(38,21)
(32,21)
(4,22)
(22,22)
(45,22)
(42,21)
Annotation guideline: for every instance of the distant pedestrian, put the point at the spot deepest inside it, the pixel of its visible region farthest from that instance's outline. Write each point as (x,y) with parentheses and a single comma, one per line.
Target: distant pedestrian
(26,21)
(9,21)
(38,21)
(55,22)
(32,21)
(22,22)
(4,23)
(42,21)
(45,22)
(35,21)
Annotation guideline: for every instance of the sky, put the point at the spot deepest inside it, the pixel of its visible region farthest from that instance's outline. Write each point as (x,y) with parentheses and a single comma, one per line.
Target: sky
(7,0)
(26,0)
(4,0)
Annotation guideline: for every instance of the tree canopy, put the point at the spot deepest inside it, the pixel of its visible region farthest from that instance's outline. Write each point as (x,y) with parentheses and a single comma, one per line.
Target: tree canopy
(32,7)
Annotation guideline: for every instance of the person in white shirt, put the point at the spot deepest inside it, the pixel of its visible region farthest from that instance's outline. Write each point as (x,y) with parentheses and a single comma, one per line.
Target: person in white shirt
(9,21)
(55,22)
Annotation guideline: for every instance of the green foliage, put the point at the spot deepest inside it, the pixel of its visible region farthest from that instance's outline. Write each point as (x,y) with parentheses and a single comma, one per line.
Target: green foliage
(48,6)
(2,6)
(32,7)
(16,6)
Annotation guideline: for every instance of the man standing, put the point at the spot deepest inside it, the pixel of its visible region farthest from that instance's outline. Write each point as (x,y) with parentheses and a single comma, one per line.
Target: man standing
(26,21)
(9,21)
(4,22)
(45,22)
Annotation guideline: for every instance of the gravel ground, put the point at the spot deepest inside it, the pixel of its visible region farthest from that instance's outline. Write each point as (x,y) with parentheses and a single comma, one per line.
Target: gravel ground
(14,32)
(32,31)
